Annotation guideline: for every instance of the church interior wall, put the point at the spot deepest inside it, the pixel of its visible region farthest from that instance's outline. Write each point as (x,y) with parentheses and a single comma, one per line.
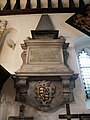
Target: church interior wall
(11,60)
(80,44)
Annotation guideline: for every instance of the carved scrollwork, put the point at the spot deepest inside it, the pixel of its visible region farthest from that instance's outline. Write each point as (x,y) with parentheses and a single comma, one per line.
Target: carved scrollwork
(66,88)
(21,85)
(23,55)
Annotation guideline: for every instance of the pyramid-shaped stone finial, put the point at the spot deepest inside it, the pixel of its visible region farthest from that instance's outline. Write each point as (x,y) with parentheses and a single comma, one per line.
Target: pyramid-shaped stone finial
(45,29)
(45,23)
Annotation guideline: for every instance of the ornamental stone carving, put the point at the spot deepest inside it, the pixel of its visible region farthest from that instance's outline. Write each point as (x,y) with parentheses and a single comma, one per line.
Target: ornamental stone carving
(44,80)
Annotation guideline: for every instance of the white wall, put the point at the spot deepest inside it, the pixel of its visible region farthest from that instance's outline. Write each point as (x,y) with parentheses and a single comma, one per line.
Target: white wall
(20,27)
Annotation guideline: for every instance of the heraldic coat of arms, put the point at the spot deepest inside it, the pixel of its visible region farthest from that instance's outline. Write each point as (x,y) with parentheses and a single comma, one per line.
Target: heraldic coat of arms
(44,92)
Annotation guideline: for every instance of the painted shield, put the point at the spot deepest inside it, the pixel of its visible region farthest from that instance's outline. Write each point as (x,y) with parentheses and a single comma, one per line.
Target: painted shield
(44,91)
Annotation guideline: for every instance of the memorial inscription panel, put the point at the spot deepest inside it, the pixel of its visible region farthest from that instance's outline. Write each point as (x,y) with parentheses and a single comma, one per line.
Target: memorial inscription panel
(44,55)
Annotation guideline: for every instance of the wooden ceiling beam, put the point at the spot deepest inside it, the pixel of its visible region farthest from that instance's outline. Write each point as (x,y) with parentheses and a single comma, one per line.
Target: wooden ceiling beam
(38,4)
(7,6)
(81,3)
(39,10)
(28,4)
(49,4)
(17,5)
(60,5)
(71,4)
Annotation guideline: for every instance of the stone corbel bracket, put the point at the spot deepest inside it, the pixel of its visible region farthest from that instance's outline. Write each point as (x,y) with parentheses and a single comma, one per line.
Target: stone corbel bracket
(21,86)
(68,83)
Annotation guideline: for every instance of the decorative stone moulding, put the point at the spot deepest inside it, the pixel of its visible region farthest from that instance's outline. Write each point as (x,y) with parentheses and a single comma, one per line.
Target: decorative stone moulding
(44,80)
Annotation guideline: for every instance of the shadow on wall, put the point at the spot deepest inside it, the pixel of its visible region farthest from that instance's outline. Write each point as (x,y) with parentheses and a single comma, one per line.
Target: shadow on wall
(82,42)
(4,75)
(7,100)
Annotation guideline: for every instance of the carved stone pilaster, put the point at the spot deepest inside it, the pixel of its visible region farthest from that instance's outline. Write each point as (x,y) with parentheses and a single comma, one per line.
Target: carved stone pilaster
(65,53)
(21,85)
(66,88)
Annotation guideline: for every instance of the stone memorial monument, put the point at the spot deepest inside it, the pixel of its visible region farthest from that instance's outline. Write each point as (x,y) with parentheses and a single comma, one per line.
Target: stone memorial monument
(45,80)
